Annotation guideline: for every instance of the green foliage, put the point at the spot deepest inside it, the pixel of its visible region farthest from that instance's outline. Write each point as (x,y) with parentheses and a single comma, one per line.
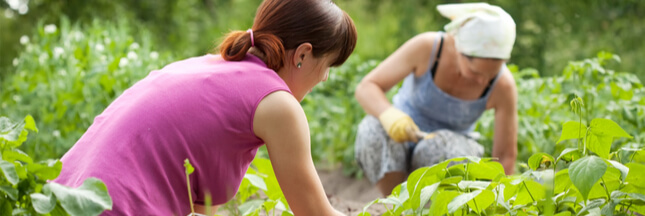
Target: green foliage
(68,74)
(543,103)
(594,185)
(573,30)
(259,191)
(585,172)
(24,186)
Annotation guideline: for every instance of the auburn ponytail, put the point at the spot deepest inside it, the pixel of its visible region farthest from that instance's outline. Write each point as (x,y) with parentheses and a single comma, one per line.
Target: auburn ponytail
(282,25)
(237,44)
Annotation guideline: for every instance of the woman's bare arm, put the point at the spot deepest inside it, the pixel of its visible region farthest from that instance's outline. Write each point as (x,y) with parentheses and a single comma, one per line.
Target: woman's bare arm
(280,121)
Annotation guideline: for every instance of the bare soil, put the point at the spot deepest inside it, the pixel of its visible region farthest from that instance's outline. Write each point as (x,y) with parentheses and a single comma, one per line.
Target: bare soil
(350,195)
(346,194)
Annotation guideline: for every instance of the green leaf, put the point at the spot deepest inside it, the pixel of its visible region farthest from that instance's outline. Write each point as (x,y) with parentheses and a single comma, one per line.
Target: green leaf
(465,185)
(607,127)
(529,193)
(510,190)
(274,191)
(439,204)
(572,130)
(10,131)
(30,124)
(457,170)
(623,169)
(390,200)
(9,171)
(608,210)
(569,154)
(452,180)
(585,172)
(288,213)
(482,201)
(250,207)
(423,177)
(562,181)
(426,194)
(461,200)
(189,167)
(591,205)
(48,172)
(601,145)
(636,178)
(499,197)
(21,138)
(566,213)
(638,156)
(256,181)
(16,155)
(269,205)
(42,203)
(485,170)
(537,160)
(91,198)
(10,191)
(6,207)
(21,170)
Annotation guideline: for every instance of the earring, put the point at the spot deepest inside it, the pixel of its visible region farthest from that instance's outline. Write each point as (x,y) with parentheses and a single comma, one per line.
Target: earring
(299,65)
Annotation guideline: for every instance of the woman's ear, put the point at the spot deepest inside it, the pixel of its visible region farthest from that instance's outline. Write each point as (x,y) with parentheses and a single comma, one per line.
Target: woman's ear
(303,51)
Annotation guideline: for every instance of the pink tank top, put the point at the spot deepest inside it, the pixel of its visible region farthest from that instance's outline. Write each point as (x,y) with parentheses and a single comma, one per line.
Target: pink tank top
(200,108)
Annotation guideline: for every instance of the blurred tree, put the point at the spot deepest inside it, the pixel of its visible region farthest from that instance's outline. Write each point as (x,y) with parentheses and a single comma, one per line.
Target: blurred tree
(550,32)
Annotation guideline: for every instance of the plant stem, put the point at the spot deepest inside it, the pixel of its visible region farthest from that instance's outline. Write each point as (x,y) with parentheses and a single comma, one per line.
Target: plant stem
(388,209)
(190,195)
(584,150)
(476,208)
(580,127)
(606,191)
(531,195)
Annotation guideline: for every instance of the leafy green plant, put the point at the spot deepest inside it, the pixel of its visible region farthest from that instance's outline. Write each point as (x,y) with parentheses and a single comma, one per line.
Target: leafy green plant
(67,74)
(543,101)
(24,186)
(259,191)
(591,180)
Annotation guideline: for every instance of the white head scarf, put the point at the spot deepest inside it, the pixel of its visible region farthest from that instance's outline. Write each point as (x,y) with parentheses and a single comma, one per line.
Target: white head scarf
(480,30)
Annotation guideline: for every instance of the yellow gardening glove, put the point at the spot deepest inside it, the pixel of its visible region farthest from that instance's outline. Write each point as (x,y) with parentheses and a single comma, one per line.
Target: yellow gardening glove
(398,125)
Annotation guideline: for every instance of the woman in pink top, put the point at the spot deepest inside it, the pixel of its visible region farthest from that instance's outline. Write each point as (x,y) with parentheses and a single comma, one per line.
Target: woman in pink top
(216,110)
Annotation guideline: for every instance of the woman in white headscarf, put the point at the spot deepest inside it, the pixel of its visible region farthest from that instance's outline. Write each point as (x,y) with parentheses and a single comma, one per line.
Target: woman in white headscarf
(449,80)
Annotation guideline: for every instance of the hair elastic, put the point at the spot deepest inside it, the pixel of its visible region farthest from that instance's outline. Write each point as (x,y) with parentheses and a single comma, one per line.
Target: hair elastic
(252,40)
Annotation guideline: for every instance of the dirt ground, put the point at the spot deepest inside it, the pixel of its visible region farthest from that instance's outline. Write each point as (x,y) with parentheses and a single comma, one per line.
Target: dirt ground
(350,195)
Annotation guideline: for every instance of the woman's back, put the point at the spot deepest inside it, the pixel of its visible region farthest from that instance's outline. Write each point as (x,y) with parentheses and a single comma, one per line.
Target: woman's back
(201,109)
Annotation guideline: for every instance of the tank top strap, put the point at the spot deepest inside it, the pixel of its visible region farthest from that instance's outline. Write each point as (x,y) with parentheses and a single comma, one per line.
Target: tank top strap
(436,54)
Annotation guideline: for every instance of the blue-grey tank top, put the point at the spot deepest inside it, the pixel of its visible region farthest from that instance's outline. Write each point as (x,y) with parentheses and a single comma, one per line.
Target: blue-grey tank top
(432,109)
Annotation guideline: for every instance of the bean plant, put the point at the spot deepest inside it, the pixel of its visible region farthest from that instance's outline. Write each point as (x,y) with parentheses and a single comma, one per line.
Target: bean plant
(589,179)
(67,74)
(24,183)
(258,193)
(542,104)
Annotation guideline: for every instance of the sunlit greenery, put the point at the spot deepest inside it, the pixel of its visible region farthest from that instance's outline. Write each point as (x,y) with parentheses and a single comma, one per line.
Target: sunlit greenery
(63,62)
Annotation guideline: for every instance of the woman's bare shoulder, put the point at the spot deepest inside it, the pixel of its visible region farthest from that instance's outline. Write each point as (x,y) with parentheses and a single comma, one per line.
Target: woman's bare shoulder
(505,91)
